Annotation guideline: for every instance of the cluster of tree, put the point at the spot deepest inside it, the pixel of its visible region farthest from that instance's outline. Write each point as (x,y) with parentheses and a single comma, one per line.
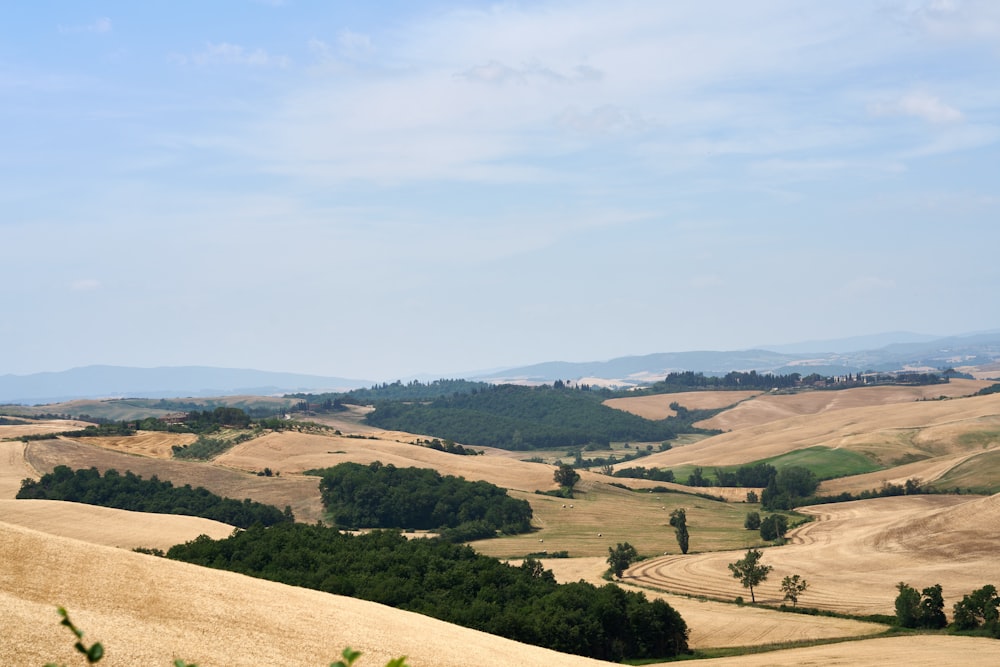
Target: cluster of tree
(688,380)
(12,421)
(384,496)
(449,447)
(975,612)
(518,417)
(788,488)
(772,527)
(606,463)
(757,475)
(132,492)
(992,389)
(678,519)
(912,486)
(638,472)
(455,584)
(205,448)
(386,391)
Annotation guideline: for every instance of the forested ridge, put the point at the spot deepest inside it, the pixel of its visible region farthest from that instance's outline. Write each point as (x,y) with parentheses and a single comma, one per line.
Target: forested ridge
(132,492)
(518,417)
(384,496)
(452,583)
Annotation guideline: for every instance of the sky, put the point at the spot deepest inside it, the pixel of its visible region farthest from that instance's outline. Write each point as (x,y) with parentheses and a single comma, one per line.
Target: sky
(379,190)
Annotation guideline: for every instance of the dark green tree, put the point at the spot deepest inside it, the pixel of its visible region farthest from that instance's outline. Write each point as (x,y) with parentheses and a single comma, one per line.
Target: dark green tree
(565,476)
(750,571)
(978,608)
(773,527)
(907,606)
(678,519)
(620,557)
(920,610)
(752,522)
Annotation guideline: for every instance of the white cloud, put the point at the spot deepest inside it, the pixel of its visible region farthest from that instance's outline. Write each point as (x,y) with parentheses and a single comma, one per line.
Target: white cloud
(225,53)
(101,25)
(918,104)
(607,119)
(354,46)
(496,72)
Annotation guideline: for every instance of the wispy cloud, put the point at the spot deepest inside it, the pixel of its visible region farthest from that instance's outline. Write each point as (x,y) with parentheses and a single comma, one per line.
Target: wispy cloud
(497,73)
(918,104)
(225,53)
(101,25)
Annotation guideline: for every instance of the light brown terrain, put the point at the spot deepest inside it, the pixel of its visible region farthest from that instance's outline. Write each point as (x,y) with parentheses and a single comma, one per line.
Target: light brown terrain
(657,406)
(856,552)
(772,407)
(716,624)
(156,444)
(299,492)
(852,556)
(885,433)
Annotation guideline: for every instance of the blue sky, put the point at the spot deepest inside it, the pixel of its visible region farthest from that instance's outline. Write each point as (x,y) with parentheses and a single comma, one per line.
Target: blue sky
(378,190)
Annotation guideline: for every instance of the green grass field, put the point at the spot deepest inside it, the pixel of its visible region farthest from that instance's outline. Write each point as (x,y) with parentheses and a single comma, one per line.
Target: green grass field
(824,462)
(600,516)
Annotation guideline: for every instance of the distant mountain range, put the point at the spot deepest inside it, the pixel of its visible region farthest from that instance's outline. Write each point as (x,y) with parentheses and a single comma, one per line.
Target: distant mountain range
(164,382)
(884,352)
(835,357)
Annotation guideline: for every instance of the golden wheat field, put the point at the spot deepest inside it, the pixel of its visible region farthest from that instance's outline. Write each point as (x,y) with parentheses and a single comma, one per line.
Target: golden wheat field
(885,433)
(853,554)
(771,407)
(657,406)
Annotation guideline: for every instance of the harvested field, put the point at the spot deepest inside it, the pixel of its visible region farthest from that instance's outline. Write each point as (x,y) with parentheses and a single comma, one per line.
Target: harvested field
(772,407)
(107,526)
(154,444)
(884,433)
(41,427)
(718,624)
(300,492)
(658,405)
(13,469)
(855,553)
(293,452)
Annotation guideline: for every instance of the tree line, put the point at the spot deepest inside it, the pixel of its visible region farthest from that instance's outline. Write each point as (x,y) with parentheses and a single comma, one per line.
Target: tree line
(384,496)
(455,584)
(131,492)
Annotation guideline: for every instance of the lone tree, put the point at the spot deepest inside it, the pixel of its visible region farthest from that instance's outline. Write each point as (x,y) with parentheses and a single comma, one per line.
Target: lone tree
(566,477)
(978,608)
(620,557)
(793,587)
(678,519)
(752,522)
(750,571)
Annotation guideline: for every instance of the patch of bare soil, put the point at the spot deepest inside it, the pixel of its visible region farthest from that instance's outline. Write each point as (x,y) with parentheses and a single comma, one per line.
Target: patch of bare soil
(772,407)
(658,406)
(853,556)
(149,611)
(40,427)
(299,491)
(107,526)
